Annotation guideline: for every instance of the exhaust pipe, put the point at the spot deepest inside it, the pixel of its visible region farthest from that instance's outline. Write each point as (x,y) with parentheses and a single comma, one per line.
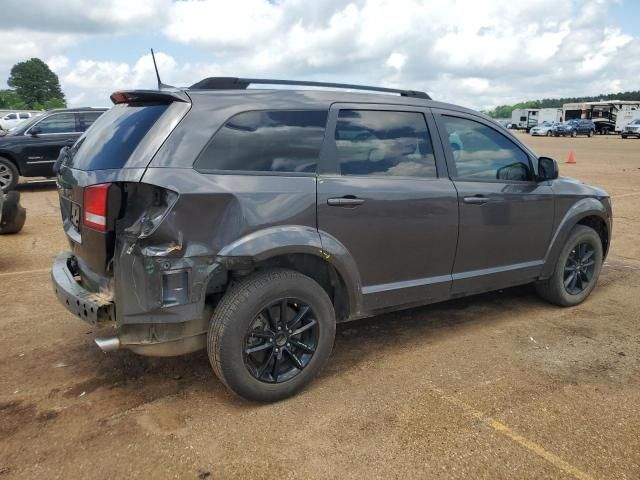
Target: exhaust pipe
(108,344)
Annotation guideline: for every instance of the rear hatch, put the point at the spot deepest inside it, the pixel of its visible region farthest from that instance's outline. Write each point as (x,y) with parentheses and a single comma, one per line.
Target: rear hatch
(94,174)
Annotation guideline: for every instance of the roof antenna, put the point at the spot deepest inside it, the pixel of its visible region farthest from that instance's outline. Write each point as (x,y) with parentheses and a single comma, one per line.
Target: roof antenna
(155,65)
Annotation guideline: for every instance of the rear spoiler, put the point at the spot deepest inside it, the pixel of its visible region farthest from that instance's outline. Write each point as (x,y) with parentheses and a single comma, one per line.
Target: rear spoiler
(149,96)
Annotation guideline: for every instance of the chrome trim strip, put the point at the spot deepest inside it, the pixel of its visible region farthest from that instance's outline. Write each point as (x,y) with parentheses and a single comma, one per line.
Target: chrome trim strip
(489,271)
(419,282)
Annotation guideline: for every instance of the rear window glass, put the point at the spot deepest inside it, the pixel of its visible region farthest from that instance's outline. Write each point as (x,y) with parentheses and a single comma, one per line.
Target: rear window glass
(114,136)
(267,141)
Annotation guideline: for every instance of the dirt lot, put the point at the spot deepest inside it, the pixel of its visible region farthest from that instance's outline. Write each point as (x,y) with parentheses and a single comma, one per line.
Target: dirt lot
(494,386)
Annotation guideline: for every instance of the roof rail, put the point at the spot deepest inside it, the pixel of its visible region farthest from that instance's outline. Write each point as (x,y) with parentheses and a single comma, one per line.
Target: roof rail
(234,83)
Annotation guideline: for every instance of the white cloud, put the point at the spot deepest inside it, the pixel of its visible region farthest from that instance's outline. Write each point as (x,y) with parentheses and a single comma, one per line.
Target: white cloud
(473,53)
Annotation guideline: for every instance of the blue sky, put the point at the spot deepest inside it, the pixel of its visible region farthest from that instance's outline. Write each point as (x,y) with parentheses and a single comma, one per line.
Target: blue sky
(478,54)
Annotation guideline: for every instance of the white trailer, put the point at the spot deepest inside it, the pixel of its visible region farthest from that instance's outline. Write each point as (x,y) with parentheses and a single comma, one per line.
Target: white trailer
(550,115)
(626,115)
(524,118)
(603,114)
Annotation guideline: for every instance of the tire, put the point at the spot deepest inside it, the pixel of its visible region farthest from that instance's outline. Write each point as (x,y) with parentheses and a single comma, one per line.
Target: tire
(553,289)
(624,136)
(548,133)
(590,134)
(574,133)
(13,214)
(9,175)
(235,319)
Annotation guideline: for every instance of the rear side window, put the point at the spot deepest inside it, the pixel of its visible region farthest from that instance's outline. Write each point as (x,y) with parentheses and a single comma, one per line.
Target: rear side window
(25,115)
(114,137)
(384,143)
(87,119)
(266,141)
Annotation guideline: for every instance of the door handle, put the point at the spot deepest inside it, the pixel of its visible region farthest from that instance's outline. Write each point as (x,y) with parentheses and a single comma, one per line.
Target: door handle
(476,200)
(346,201)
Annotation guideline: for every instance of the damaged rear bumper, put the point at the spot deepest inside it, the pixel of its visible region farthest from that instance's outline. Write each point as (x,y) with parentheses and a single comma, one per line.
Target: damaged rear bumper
(89,306)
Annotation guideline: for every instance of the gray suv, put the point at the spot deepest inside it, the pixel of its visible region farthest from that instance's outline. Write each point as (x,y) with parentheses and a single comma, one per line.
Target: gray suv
(250,221)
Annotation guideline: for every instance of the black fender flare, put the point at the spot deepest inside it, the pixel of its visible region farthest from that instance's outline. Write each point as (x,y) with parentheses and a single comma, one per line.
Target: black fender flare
(281,240)
(586,207)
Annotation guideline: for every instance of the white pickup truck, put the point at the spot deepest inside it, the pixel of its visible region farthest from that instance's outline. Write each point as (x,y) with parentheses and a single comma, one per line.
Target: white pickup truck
(11,119)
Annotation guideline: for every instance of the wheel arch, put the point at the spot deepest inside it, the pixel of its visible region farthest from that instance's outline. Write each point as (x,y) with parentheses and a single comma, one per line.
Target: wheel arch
(303,249)
(589,212)
(12,158)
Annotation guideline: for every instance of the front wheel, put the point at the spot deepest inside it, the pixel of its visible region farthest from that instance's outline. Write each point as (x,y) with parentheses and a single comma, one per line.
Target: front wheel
(271,334)
(574,133)
(577,269)
(590,134)
(9,175)
(548,133)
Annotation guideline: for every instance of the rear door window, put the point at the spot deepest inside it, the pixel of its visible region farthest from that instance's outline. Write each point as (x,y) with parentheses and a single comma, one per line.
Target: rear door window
(384,143)
(285,141)
(114,137)
(87,119)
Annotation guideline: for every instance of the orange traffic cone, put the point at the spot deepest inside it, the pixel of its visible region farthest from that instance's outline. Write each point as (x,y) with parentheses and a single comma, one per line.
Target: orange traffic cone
(572,157)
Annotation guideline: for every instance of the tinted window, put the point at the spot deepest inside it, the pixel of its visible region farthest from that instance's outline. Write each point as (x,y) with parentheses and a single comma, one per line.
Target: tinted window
(87,119)
(480,152)
(267,141)
(384,143)
(114,136)
(25,115)
(11,116)
(58,123)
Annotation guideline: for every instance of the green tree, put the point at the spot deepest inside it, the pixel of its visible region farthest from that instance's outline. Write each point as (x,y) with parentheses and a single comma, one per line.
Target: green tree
(35,83)
(10,100)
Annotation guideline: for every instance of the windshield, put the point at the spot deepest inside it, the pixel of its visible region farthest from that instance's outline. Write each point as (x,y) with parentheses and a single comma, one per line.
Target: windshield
(635,122)
(111,140)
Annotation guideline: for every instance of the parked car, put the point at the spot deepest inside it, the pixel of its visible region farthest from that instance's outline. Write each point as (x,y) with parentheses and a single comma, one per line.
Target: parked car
(31,149)
(573,128)
(631,129)
(12,214)
(544,129)
(249,222)
(13,119)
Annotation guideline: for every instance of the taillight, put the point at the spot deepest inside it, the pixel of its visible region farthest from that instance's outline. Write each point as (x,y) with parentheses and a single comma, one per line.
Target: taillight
(95,206)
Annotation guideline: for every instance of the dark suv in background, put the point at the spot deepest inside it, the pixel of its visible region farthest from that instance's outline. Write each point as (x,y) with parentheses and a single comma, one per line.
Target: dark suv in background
(31,149)
(248,222)
(572,128)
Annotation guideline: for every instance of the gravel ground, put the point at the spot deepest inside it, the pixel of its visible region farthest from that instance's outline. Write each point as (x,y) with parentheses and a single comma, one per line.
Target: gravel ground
(500,385)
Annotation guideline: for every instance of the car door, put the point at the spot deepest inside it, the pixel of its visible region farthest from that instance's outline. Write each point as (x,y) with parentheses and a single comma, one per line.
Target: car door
(42,148)
(384,194)
(506,216)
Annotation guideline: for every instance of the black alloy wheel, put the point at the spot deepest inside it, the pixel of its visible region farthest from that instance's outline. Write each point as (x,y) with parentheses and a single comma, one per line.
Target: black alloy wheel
(579,269)
(281,341)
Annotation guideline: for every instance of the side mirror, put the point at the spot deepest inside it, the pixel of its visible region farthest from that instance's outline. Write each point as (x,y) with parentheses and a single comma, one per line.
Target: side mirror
(547,168)
(35,131)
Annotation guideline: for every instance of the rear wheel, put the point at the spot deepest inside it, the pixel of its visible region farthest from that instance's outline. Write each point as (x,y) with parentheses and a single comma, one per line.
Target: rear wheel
(271,334)
(548,133)
(577,269)
(9,175)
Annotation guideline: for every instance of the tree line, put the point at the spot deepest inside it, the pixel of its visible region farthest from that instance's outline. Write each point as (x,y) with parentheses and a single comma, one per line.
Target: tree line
(32,86)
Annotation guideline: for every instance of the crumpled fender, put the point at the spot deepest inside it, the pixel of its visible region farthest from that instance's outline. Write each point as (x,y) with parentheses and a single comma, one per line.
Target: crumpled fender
(291,239)
(584,208)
